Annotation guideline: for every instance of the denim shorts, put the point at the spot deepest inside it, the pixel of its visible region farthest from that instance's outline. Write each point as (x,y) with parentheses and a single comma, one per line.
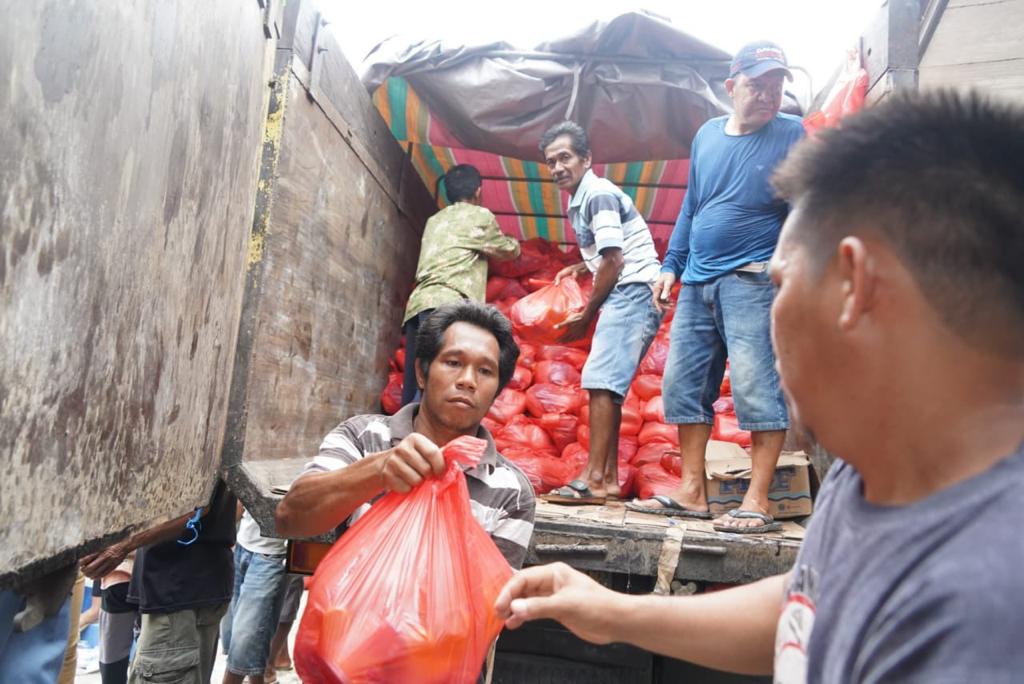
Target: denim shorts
(251,621)
(628,322)
(730,317)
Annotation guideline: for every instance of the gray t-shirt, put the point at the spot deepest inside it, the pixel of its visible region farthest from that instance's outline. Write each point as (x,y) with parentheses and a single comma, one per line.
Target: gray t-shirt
(930,592)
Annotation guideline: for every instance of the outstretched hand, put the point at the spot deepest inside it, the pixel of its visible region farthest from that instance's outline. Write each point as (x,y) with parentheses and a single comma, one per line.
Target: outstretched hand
(558,592)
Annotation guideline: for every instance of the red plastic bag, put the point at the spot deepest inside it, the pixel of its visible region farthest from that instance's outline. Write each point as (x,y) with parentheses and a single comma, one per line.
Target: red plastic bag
(659,432)
(492,425)
(407,594)
(547,398)
(654,410)
(726,389)
(672,462)
(561,428)
(570,355)
(647,386)
(653,362)
(527,354)
(508,403)
(627,480)
(628,446)
(504,288)
(846,97)
(652,479)
(397,361)
(631,420)
(522,378)
(533,255)
(535,316)
(724,405)
(529,463)
(652,452)
(556,373)
(727,429)
(522,432)
(391,397)
(503,305)
(556,473)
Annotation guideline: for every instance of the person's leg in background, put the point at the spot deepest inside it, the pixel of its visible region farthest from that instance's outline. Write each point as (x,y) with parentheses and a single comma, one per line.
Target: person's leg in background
(627,325)
(253,616)
(279,656)
(745,301)
(117,632)
(169,647)
(693,374)
(208,630)
(36,655)
(410,390)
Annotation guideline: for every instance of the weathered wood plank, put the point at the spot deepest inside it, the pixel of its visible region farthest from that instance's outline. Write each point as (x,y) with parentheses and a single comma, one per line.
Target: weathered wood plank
(971,34)
(1004,79)
(127,174)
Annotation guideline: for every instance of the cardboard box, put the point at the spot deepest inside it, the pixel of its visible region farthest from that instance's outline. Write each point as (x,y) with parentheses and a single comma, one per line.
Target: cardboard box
(727,466)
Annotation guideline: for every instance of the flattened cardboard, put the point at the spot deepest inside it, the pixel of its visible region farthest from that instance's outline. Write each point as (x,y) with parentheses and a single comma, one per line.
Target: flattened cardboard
(727,467)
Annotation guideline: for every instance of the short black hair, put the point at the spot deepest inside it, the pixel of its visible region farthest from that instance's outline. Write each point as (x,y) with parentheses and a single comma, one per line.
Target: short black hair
(461,182)
(577,137)
(431,334)
(939,177)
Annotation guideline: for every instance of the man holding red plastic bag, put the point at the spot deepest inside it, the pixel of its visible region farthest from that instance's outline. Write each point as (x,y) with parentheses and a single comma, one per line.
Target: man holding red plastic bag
(465,355)
(618,249)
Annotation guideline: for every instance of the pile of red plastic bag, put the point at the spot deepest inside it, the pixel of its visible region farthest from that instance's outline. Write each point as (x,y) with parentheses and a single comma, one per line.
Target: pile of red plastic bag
(540,421)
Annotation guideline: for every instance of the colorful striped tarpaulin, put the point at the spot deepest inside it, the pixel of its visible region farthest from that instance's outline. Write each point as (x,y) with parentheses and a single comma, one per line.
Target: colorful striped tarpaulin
(520,192)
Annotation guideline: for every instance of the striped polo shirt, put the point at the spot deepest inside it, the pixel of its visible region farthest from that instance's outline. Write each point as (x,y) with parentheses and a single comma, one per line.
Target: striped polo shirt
(603,216)
(499,494)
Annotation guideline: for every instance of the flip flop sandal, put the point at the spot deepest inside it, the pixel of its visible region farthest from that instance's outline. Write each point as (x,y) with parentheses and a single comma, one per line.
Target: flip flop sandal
(669,507)
(768,523)
(576,493)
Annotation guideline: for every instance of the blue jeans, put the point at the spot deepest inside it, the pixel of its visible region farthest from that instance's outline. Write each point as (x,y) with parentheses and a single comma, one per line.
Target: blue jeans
(726,318)
(629,320)
(251,620)
(38,654)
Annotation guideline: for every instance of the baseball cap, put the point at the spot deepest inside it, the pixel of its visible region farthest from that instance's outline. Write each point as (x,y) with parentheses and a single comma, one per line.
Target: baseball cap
(759,57)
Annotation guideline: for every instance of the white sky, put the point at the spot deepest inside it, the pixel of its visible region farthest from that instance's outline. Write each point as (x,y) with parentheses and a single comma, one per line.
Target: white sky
(814,33)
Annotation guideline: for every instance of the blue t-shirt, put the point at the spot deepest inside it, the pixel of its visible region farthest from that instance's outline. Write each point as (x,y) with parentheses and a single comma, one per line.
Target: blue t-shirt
(730,216)
(927,592)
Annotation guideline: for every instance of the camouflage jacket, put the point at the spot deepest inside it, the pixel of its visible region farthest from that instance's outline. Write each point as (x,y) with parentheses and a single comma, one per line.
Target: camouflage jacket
(453,257)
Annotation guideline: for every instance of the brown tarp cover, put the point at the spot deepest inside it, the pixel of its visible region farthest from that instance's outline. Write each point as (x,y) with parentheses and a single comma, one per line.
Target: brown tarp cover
(639,85)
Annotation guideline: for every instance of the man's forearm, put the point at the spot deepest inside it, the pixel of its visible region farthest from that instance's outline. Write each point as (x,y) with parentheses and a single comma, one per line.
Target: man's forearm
(172,529)
(604,281)
(320,502)
(731,630)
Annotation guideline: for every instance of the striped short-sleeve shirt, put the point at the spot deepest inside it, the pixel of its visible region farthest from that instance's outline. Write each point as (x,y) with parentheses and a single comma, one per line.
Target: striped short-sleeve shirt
(603,216)
(500,496)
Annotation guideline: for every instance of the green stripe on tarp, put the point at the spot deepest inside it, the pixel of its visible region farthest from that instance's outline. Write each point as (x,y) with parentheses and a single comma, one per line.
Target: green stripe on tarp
(398,91)
(634,171)
(435,163)
(536,194)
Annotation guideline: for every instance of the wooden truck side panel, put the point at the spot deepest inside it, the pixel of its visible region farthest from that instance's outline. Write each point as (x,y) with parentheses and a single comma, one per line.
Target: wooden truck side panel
(128,166)
(342,211)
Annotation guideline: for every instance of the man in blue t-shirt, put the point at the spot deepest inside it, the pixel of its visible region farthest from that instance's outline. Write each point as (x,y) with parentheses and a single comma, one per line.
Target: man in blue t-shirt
(723,239)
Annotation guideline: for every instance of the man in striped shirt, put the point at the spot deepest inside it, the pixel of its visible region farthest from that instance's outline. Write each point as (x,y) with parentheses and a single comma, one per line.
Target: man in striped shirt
(465,355)
(618,249)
